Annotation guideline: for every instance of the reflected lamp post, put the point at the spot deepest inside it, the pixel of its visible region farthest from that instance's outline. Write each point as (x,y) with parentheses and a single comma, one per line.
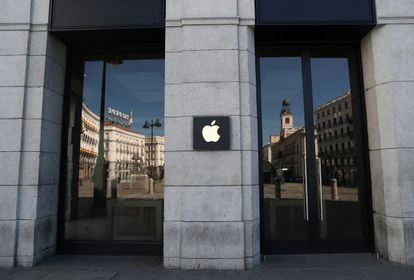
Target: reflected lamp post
(100,172)
(150,125)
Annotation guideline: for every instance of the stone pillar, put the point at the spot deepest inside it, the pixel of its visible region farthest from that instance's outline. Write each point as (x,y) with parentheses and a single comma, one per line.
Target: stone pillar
(211,218)
(388,65)
(32,67)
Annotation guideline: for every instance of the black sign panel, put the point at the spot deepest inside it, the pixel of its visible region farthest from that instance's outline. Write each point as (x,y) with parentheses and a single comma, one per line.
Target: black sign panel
(211,133)
(315,12)
(106,14)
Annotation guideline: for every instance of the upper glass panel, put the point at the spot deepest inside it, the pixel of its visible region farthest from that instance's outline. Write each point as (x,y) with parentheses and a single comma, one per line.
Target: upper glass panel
(314,12)
(115,184)
(84,15)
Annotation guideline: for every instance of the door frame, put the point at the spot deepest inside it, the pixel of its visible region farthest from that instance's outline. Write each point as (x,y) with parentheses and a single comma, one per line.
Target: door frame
(366,244)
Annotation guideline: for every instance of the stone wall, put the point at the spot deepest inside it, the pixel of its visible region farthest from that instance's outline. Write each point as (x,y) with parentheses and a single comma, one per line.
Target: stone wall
(388,66)
(211,198)
(32,72)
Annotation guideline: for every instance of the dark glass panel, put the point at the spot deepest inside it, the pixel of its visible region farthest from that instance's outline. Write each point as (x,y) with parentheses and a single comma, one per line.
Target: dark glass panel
(284,151)
(115,187)
(340,207)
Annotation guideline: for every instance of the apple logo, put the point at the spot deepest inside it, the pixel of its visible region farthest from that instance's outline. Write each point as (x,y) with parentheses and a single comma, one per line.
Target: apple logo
(210,133)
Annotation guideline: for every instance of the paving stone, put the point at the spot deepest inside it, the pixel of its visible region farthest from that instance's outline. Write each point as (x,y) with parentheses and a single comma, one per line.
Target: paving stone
(27,273)
(80,275)
(292,267)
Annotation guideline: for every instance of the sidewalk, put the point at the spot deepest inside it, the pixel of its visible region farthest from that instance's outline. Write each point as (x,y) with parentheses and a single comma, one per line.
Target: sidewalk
(318,267)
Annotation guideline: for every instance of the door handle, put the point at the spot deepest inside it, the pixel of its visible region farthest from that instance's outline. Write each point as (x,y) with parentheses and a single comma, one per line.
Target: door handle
(320,188)
(305,200)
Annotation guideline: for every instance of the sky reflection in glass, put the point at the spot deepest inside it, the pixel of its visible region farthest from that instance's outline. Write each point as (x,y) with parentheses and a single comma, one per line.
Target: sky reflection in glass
(136,85)
(281,78)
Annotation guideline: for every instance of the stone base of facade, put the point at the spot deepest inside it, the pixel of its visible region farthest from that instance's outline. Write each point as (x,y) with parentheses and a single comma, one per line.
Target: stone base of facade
(393,238)
(211,264)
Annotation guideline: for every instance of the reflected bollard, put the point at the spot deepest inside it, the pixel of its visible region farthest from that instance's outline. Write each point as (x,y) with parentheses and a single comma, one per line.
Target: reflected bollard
(114,189)
(278,188)
(335,194)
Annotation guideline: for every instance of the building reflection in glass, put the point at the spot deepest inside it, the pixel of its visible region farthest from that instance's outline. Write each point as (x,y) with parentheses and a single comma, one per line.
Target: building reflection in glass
(334,145)
(334,129)
(309,208)
(284,151)
(284,155)
(283,171)
(132,179)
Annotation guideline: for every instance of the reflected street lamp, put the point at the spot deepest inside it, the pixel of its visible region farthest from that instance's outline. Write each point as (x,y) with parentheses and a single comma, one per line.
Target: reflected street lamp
(151,124)
(100,172)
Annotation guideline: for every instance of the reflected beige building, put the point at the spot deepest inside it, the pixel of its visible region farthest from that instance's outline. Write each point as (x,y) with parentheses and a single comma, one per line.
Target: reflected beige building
(285,153)
(124,151)
(88,143)
(287,150)
(288,155)
(127,159)
(335,128)
(156,158)
(334,142)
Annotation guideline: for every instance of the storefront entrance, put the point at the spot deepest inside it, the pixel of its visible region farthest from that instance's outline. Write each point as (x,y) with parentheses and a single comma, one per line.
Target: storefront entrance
(314,186)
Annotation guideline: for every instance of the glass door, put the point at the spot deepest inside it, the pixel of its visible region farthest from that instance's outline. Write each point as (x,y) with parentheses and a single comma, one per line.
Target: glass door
(338,181)
(114,187)
(284,150)
(313,187)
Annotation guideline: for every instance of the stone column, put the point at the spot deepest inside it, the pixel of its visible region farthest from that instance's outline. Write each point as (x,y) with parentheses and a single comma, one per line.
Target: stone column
(388,65)
(211,218)
(32,67)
